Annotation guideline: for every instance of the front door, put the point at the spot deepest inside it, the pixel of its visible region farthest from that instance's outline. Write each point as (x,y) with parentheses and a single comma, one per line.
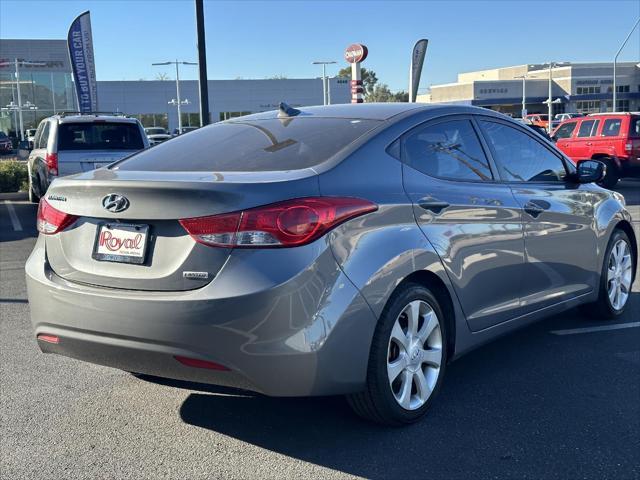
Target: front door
(560,244)
(472,221)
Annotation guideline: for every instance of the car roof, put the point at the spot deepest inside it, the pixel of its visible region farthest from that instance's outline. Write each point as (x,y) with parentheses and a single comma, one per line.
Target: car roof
(93,118)
(370,111)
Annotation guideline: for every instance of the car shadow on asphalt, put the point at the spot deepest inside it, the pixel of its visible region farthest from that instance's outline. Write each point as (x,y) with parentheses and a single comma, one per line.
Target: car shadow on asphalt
(503,408)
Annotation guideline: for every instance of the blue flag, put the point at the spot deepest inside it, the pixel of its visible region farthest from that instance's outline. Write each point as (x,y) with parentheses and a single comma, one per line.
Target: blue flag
(80,44)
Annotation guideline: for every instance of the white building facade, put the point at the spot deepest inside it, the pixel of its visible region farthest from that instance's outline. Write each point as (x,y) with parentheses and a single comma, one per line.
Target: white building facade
(576,87)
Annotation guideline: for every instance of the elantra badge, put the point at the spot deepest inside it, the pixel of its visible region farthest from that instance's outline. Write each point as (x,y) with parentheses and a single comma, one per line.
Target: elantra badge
(115,203)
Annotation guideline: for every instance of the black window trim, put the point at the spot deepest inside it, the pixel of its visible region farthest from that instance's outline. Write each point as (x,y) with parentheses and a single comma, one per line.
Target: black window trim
(445,119)
(568,170)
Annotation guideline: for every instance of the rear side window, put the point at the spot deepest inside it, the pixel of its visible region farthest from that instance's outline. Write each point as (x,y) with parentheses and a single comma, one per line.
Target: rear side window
(634,127)
(44,136)
(520,157)
(565,130)
(585,128)
(611,127)
(447,150)
(252,145)
(99,136)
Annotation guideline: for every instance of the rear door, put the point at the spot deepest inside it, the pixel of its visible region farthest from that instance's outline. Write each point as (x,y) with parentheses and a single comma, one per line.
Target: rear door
(558,216)
(87,145)
(610,138)
(583,142)
(37,164)
(472,221)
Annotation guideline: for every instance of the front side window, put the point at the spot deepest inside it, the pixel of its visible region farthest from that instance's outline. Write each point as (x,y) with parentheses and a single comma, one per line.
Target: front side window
(99,136)
(565,130)
(520,157)
(585,128)
(611,127)
(449,150)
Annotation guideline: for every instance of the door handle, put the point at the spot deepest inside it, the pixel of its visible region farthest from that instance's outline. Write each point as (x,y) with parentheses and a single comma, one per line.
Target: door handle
(536,207)
(432,205)
(588,144)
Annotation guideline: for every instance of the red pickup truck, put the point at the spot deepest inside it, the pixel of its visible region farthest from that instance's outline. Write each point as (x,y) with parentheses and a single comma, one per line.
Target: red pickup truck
(613,138)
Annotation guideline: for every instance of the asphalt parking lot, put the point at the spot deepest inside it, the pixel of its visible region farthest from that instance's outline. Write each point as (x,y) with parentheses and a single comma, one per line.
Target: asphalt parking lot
(549,401)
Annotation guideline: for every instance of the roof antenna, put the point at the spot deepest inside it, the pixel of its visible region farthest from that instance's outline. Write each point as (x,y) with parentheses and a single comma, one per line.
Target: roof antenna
(285,110)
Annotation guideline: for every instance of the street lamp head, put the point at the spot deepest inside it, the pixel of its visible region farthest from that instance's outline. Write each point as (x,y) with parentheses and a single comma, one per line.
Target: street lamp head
(320,62)
(162,63)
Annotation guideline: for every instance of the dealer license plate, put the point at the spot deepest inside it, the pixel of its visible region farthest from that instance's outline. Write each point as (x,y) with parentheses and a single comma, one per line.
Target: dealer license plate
(119,242)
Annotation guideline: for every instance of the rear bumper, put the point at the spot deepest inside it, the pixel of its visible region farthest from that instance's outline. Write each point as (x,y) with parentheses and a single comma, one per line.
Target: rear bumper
(307,335)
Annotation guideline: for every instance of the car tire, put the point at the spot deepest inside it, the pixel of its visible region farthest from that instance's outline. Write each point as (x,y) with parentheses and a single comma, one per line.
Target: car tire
(612,175)
(407,359)
(617,279)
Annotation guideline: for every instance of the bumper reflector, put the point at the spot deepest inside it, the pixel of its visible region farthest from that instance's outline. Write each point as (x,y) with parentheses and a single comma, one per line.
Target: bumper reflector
(45,337)
(194,362)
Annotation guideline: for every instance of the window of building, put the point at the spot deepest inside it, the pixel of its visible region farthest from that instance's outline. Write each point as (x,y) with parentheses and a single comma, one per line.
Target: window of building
(587,90)
(620,89)
(622,106)
(611,127)
(520,157)
(153,120)
(447,150)
(190,119)
(228,115)
(588,106)
(586,128)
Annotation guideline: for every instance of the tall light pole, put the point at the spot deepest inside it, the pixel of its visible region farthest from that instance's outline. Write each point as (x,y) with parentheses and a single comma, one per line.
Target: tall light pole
(177,102)
(524,95)
(551,65)
(325,100)
(615,61)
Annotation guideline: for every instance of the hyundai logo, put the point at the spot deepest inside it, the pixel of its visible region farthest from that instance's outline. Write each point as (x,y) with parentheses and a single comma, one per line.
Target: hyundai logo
(115,203)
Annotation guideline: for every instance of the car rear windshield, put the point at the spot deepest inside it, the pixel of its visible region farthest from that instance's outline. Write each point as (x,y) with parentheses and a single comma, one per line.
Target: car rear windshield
(99,136)
(252,145)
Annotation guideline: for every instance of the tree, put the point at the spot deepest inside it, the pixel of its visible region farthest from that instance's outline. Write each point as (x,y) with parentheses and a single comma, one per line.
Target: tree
(369,79)
(162,76)
(382,93)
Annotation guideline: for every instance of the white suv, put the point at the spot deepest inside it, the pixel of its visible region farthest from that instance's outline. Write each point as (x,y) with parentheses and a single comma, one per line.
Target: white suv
(67,144)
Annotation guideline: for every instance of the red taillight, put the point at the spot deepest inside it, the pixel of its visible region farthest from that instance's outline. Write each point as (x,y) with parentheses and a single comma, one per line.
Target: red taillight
(197,363)
(51,220)
(51,159)
(284,224)
(45,337)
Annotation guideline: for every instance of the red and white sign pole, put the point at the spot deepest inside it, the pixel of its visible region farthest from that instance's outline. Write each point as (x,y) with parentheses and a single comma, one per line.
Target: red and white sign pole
(355,54)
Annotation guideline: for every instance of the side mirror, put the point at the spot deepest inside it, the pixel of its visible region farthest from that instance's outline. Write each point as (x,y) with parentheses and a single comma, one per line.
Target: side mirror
(591,171)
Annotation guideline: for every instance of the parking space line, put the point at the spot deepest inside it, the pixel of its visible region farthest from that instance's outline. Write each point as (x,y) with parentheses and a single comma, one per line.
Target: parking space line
(615,326)
(15,221)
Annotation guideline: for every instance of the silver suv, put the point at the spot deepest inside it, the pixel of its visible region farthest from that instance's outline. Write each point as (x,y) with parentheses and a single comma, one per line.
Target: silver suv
(68,144)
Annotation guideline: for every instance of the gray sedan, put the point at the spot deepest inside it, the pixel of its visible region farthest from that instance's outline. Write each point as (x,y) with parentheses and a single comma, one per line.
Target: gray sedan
(348,249)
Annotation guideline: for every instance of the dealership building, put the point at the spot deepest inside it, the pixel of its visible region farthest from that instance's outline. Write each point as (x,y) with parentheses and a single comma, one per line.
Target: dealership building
(576,87)
(47,87)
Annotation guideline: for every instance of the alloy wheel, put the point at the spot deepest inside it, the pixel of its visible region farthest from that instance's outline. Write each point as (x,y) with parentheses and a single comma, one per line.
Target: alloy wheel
(414,355)
(619,274)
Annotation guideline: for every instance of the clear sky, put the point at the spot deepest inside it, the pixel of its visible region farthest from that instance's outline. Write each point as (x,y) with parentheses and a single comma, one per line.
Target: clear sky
(258,39)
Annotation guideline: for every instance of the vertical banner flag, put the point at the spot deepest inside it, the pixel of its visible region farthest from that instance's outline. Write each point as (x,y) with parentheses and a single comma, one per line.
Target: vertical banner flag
(417,60)
(80,44)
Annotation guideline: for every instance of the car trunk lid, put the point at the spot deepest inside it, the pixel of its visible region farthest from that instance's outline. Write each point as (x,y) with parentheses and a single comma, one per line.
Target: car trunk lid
(156,202)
